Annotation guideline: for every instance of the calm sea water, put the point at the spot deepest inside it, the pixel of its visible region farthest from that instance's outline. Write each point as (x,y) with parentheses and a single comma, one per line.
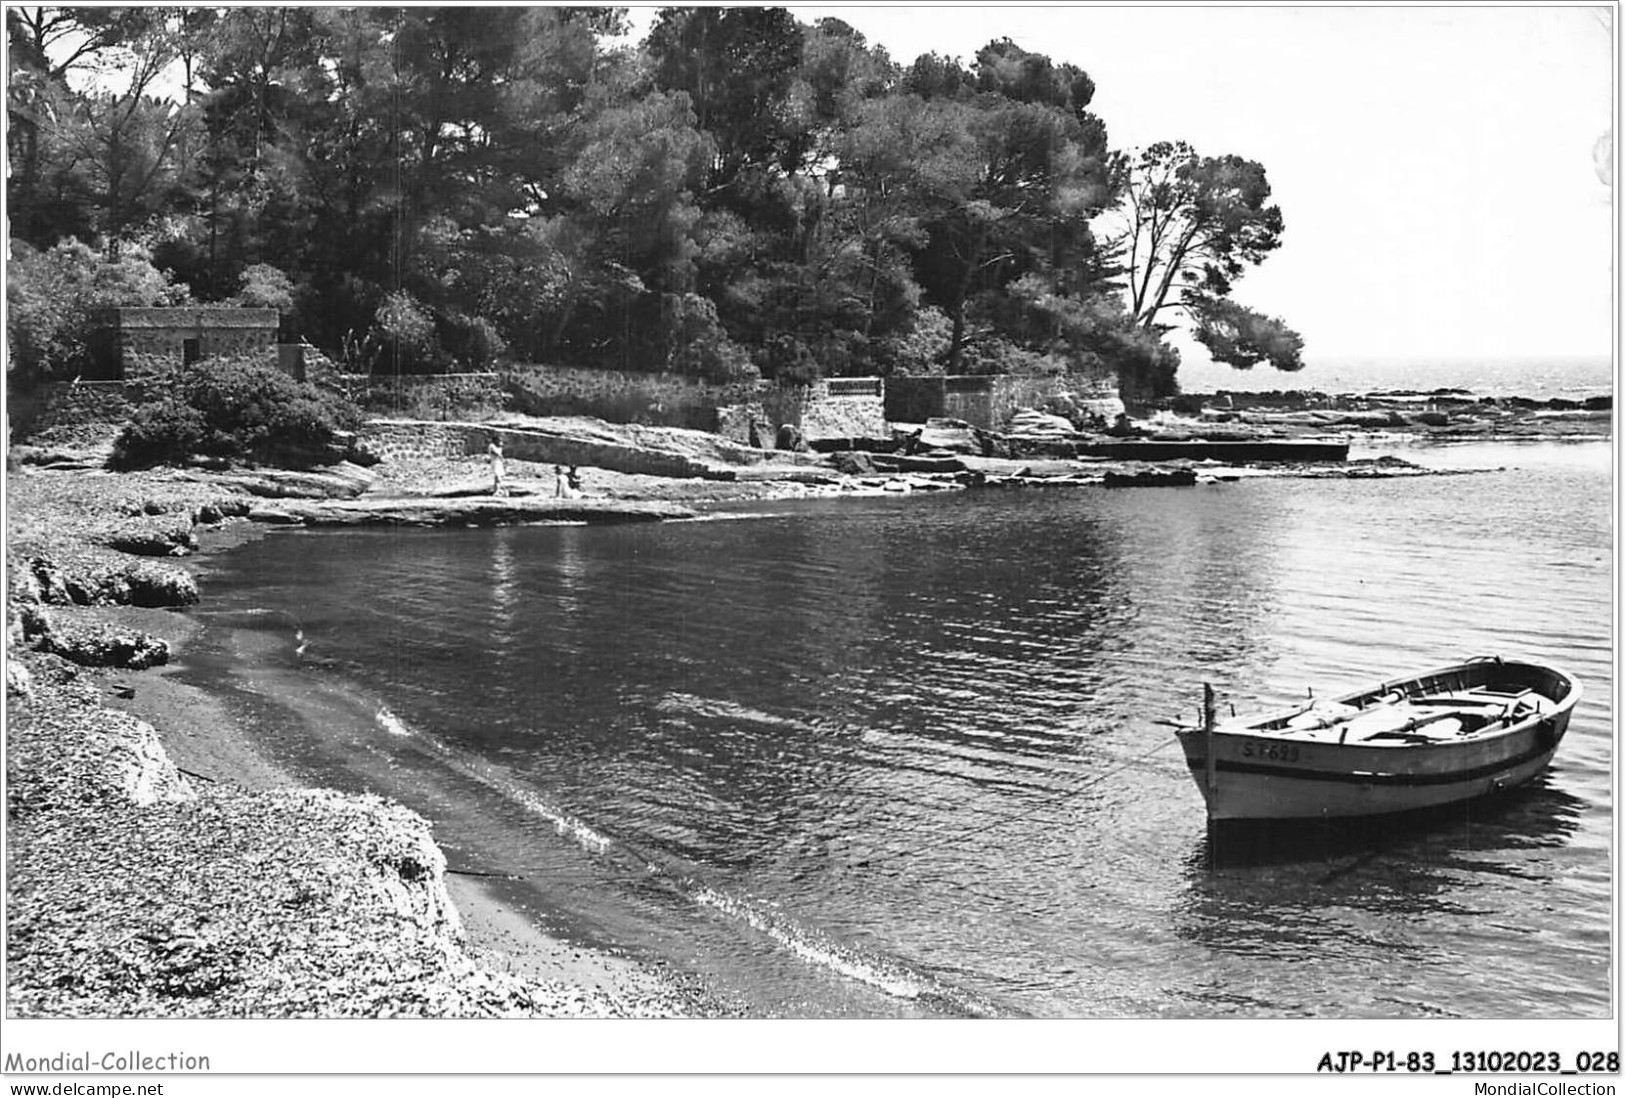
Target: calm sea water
(898,757)
(1542,379)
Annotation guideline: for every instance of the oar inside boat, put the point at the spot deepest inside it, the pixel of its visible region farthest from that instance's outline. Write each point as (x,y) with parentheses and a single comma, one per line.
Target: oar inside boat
(1458,732)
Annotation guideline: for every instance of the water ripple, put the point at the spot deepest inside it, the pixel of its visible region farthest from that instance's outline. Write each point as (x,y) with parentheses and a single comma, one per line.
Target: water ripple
(928,728)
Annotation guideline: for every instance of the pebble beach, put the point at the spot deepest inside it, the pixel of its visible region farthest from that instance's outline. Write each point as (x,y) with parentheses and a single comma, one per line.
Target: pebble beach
(162,867)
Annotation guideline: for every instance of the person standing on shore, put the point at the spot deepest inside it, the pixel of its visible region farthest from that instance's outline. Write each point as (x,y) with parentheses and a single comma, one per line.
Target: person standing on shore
(494,450)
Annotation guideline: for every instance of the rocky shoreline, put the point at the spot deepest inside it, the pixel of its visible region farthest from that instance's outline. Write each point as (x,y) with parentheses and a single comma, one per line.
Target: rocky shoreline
(161,867)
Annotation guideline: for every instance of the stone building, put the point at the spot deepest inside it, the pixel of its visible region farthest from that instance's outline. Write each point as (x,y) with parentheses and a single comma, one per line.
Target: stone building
(184,334)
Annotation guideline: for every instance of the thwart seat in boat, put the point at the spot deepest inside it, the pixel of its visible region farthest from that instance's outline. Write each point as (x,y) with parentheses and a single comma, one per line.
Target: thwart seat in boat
(1418,742)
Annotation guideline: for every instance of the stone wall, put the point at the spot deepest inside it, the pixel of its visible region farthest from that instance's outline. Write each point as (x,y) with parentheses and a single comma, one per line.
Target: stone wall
(749,424)
(987,402)
(68,406)
(844,408)
(624,396)
(395,439)
(976,400)
(969,398)
(829,408)
(833,408)
(427,396)
(1065,393)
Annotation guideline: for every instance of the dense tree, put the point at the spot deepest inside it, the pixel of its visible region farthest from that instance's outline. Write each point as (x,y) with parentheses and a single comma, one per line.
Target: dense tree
(448,125)
(54,41)
(932,76)
(784,256)
(1189,226)
(1243,337)
(128,145)
(631,199)
(262,286)
(261,71)
(428,187)
(737,66)
(46,45)
(102,160)
(996,185)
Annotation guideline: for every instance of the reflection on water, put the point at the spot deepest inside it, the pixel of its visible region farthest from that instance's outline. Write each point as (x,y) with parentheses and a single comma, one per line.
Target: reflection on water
(1534,815)
(1380,907)
(900,756)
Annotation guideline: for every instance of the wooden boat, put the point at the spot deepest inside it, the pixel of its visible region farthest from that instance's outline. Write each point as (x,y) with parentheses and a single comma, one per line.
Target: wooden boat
(1419,742)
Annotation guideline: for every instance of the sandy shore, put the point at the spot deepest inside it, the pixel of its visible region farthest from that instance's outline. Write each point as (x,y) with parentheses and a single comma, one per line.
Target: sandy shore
(165,785)
(207,743)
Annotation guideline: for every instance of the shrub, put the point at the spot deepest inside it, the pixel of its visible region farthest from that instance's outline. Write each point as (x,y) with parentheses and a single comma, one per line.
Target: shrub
(55,297)
(406,334)
(1147,368)
(996,355)
(790,362)
(923,348)
(698,345)
(262,286)
(233,408)
(472,340)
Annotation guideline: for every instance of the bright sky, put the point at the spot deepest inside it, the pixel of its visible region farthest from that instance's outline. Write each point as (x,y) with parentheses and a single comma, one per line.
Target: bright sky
(1435,165)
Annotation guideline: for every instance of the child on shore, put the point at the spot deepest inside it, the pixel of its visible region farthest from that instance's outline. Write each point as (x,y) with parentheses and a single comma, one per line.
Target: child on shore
(567,485)
(494,451)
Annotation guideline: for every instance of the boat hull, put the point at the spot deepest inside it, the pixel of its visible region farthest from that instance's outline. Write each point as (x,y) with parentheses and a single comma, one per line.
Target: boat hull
(1259,775)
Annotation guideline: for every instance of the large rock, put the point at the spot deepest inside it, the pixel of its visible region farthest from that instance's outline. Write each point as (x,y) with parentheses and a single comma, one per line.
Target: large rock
(104,645)
(1030,423)
(1104,407)
(19,680)
(466,511)
(953,435)
(853,463)
(789,438)
(154,536)
(61,457)
(345,480)
(1151,478)
(587,442)
(904,463)
(106,579)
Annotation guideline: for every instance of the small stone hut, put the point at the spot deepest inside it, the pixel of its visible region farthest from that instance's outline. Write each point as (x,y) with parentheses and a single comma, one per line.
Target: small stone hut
(185,334)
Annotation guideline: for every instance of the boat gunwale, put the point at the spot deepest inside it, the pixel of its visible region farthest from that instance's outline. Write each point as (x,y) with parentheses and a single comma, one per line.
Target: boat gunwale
(1268,775)
(1237,729)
